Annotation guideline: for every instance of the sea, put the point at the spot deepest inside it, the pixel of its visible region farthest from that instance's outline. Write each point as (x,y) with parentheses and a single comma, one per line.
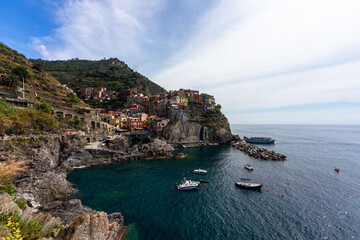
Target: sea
(301,198)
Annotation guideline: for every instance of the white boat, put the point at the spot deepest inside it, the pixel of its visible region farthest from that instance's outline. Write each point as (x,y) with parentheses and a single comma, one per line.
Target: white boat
(248,185)
(200,171)
(187,185)
(248,167)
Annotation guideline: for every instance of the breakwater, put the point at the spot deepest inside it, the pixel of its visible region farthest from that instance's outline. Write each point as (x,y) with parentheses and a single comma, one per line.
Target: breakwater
(257,152)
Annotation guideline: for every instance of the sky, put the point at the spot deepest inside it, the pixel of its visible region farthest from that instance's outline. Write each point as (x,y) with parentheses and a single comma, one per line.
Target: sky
(266,62)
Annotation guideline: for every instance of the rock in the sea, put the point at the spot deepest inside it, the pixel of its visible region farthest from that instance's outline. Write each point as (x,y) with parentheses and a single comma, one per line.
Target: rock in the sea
(257,152)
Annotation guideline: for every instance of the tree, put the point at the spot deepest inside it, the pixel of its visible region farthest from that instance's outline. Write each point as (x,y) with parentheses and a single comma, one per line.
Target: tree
(20,72)
(44,107)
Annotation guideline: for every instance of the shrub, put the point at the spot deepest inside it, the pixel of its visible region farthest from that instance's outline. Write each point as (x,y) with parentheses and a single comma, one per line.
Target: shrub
(44,107)
(21,203)
(12,226)
(8,187)
(20,72)
(73,98)
(82,110)
(9,169)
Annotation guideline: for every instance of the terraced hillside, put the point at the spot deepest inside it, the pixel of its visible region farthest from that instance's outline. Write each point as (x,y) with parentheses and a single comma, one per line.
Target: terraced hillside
(39,85)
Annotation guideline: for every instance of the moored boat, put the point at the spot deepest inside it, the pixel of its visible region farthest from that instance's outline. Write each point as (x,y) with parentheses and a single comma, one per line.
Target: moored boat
(336,169)
(200,171)
(259,140)
(187,185)
(248,167)
(204,181)
(248,185)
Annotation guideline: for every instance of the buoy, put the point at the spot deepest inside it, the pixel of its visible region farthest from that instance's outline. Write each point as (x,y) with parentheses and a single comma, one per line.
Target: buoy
(205,185)
(188,172)
(176,183)
(210,173)
(172,186)
(202,188)
(285,189)
(268,190)
(183,173)
(288,183)
(282,195)
(222,183)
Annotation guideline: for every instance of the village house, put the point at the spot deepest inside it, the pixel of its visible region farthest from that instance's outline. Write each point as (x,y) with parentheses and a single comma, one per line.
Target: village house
(160,124)
(123,121)
(133,123)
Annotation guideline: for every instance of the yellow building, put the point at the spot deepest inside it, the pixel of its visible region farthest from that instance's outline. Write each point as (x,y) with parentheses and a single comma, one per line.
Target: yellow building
(123,120)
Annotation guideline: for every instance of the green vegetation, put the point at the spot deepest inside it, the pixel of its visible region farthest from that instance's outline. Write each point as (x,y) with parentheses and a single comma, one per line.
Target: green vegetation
(112,104)
(82,110)
(21,72)
(44,107)
(32,120)
(111,73)
(73,98)
(21,203)
(8,187)
(23,121)
(12,226)
(77,124)
(14,67)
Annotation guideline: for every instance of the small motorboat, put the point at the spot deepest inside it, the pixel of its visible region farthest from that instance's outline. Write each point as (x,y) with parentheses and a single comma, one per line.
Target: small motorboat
(337,169)
(248,167)
(199,171)
(187,185)
(248,185)
(204,181)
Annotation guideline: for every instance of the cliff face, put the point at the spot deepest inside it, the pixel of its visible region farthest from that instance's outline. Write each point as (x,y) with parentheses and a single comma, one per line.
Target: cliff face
(45,188)
(214,129)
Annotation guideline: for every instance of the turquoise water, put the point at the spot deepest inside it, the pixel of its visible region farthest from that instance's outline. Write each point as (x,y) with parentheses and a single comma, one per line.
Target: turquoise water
(318,203)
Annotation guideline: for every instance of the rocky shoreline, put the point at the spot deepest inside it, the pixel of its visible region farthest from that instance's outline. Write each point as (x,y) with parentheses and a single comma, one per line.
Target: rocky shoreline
(46,191)
(257,152)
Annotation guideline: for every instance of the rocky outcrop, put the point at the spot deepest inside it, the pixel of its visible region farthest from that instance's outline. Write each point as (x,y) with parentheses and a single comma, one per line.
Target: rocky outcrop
(214,129)
(93,226)
(7,204)
(46,190)
(257,152)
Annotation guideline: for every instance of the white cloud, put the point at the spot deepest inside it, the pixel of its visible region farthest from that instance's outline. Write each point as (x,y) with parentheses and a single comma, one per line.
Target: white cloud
(264,54)
(94,29)
(42,50)
(249,54)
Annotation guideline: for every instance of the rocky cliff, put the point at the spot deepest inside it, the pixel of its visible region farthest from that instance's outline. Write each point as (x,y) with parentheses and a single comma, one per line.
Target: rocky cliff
(212,129)
(45,189)
(43,186)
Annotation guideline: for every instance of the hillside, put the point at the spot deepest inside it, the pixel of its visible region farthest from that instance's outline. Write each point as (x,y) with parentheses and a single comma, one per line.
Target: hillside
(111,73)
(39,86)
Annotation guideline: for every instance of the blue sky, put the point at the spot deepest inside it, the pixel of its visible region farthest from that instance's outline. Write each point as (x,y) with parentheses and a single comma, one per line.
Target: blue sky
(274,61)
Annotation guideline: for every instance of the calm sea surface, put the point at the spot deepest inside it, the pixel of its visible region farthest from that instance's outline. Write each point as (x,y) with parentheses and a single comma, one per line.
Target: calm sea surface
(318,203)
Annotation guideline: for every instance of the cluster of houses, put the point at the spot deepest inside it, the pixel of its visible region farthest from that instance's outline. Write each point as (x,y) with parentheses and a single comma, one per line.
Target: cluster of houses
(155,112)
(96,94)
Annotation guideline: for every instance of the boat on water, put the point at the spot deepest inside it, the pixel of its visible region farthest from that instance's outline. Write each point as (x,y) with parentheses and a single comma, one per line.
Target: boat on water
(187,185)
(337,169)
(204,181)
(200,171)
(248,185)
(259,140)
(248,167)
